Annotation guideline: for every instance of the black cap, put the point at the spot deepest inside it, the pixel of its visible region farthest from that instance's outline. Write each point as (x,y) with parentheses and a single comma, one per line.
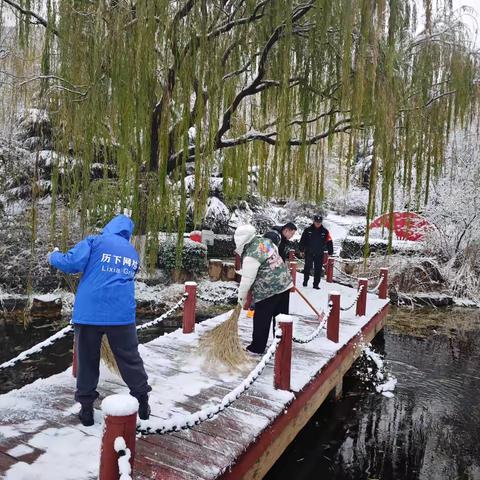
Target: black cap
(290,225)
(317,218)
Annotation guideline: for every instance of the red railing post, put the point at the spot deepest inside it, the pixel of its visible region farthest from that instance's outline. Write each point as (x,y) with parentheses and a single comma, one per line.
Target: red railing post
(189,307)
(291,255)
(330,263)
(238,266)
(383,289)
(116,425)
(293,272)
(333,320)
(283,355)
(74,360)
(362,299)
(325,258)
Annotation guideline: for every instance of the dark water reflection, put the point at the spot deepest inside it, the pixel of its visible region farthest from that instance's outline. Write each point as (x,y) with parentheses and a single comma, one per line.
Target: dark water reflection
(14,339)
(429,430)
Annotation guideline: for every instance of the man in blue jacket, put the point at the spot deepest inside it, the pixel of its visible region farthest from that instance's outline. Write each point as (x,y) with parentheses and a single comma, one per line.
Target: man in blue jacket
(105,305)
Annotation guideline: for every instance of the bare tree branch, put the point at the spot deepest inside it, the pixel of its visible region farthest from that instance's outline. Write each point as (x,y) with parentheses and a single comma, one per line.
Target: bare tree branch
(30,13)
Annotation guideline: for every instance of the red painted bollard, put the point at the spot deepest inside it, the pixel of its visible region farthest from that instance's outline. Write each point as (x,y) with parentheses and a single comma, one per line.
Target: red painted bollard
(383,289)
(291,255)
(333,320)
(238,266)
(120,421)
(189,307)
(330,263)
(74,360)
(283,355)
(362,299)
(293,272)
(325,258)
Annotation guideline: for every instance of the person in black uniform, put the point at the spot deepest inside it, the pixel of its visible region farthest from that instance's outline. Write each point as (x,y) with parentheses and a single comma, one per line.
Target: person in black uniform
(280,236)
(315,240)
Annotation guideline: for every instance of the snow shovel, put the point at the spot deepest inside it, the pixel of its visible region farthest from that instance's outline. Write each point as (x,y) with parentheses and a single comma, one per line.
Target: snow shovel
(317,313)
(223,343)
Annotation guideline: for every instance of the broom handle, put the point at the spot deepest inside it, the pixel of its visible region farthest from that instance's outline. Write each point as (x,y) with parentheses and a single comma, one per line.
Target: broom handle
(319,315)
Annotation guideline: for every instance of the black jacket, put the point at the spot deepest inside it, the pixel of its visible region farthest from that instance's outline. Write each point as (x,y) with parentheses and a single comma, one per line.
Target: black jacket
(315,241)
(284,245)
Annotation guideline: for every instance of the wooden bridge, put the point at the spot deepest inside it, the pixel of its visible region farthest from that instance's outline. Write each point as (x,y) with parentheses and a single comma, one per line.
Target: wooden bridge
(41,438)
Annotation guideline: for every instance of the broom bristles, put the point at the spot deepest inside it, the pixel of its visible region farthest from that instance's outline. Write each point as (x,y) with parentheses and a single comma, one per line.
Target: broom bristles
(222,343)
(108,357)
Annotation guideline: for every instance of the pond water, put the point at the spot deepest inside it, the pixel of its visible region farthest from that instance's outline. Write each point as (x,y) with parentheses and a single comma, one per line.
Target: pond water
(429,430)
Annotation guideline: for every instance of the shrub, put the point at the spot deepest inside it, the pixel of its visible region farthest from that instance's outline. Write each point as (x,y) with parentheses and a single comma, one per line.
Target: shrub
(193,258)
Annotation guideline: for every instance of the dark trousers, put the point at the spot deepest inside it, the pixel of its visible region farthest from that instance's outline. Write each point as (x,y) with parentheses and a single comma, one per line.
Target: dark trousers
(265,311)
(315,260)
(123,341)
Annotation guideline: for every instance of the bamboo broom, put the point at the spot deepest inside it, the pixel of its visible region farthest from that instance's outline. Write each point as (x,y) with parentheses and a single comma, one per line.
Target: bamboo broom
(108,357)
(222,344)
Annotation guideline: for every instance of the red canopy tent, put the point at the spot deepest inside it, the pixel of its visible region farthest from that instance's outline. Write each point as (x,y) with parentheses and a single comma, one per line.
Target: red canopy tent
(406,225)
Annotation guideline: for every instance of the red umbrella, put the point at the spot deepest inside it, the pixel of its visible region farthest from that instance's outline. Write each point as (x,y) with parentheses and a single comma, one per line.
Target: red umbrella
(406,225)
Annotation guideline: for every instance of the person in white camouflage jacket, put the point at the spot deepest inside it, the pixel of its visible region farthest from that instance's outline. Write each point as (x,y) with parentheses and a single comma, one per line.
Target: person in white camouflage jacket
(263,271)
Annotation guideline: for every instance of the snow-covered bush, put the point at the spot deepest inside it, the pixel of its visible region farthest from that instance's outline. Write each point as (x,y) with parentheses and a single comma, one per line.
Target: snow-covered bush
(193,258)
(454,210)
(352,202)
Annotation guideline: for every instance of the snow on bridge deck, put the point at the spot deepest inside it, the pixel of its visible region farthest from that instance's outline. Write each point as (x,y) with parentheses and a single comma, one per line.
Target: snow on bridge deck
(41,437)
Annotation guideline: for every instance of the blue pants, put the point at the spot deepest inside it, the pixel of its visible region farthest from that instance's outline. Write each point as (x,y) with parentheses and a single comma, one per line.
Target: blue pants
(123,341)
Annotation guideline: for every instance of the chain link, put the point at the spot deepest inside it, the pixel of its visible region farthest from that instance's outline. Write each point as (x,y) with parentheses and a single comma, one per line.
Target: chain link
(344,309)
(148,427)
(317,331)
(165,315)
(38,347)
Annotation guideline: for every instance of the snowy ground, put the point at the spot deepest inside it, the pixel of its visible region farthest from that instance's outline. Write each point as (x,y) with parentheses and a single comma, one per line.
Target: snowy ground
(37,420)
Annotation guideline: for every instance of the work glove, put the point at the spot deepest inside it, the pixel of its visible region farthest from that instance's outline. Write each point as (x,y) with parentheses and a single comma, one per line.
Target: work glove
(49,254)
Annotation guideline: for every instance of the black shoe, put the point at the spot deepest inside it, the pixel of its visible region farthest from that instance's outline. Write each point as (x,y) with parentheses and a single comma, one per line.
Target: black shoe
(316,287)
(86,415)
(305,283)
(143,408)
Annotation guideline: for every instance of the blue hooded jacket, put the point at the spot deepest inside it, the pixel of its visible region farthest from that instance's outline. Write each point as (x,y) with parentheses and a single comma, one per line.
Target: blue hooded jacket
(106,293)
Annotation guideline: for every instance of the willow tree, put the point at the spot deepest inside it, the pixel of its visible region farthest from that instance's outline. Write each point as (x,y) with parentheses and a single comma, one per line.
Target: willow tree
(276,84)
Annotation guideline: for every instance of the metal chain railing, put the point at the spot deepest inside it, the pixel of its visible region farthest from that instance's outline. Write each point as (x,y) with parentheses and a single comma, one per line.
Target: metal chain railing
(377,286)
(317,331)
(165,315)
(161,427)
(64,331)
(217,300)
(38,347)
(344,309)
(372,277)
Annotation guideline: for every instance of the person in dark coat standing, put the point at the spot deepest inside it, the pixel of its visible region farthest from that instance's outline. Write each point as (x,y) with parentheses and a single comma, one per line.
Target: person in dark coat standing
(315,240)
(286,232)
(105,305)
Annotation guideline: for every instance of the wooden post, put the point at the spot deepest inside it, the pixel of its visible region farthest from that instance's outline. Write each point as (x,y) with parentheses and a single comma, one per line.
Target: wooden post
(117,426)
(238,266)
(333,320)
(325,258)
(293,272)
(189,307)
(330,263)
(383,289)
(74,360)
(362,299)
(283,355)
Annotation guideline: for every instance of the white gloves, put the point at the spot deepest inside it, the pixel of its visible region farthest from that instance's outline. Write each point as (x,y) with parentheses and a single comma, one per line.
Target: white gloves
(49,254)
